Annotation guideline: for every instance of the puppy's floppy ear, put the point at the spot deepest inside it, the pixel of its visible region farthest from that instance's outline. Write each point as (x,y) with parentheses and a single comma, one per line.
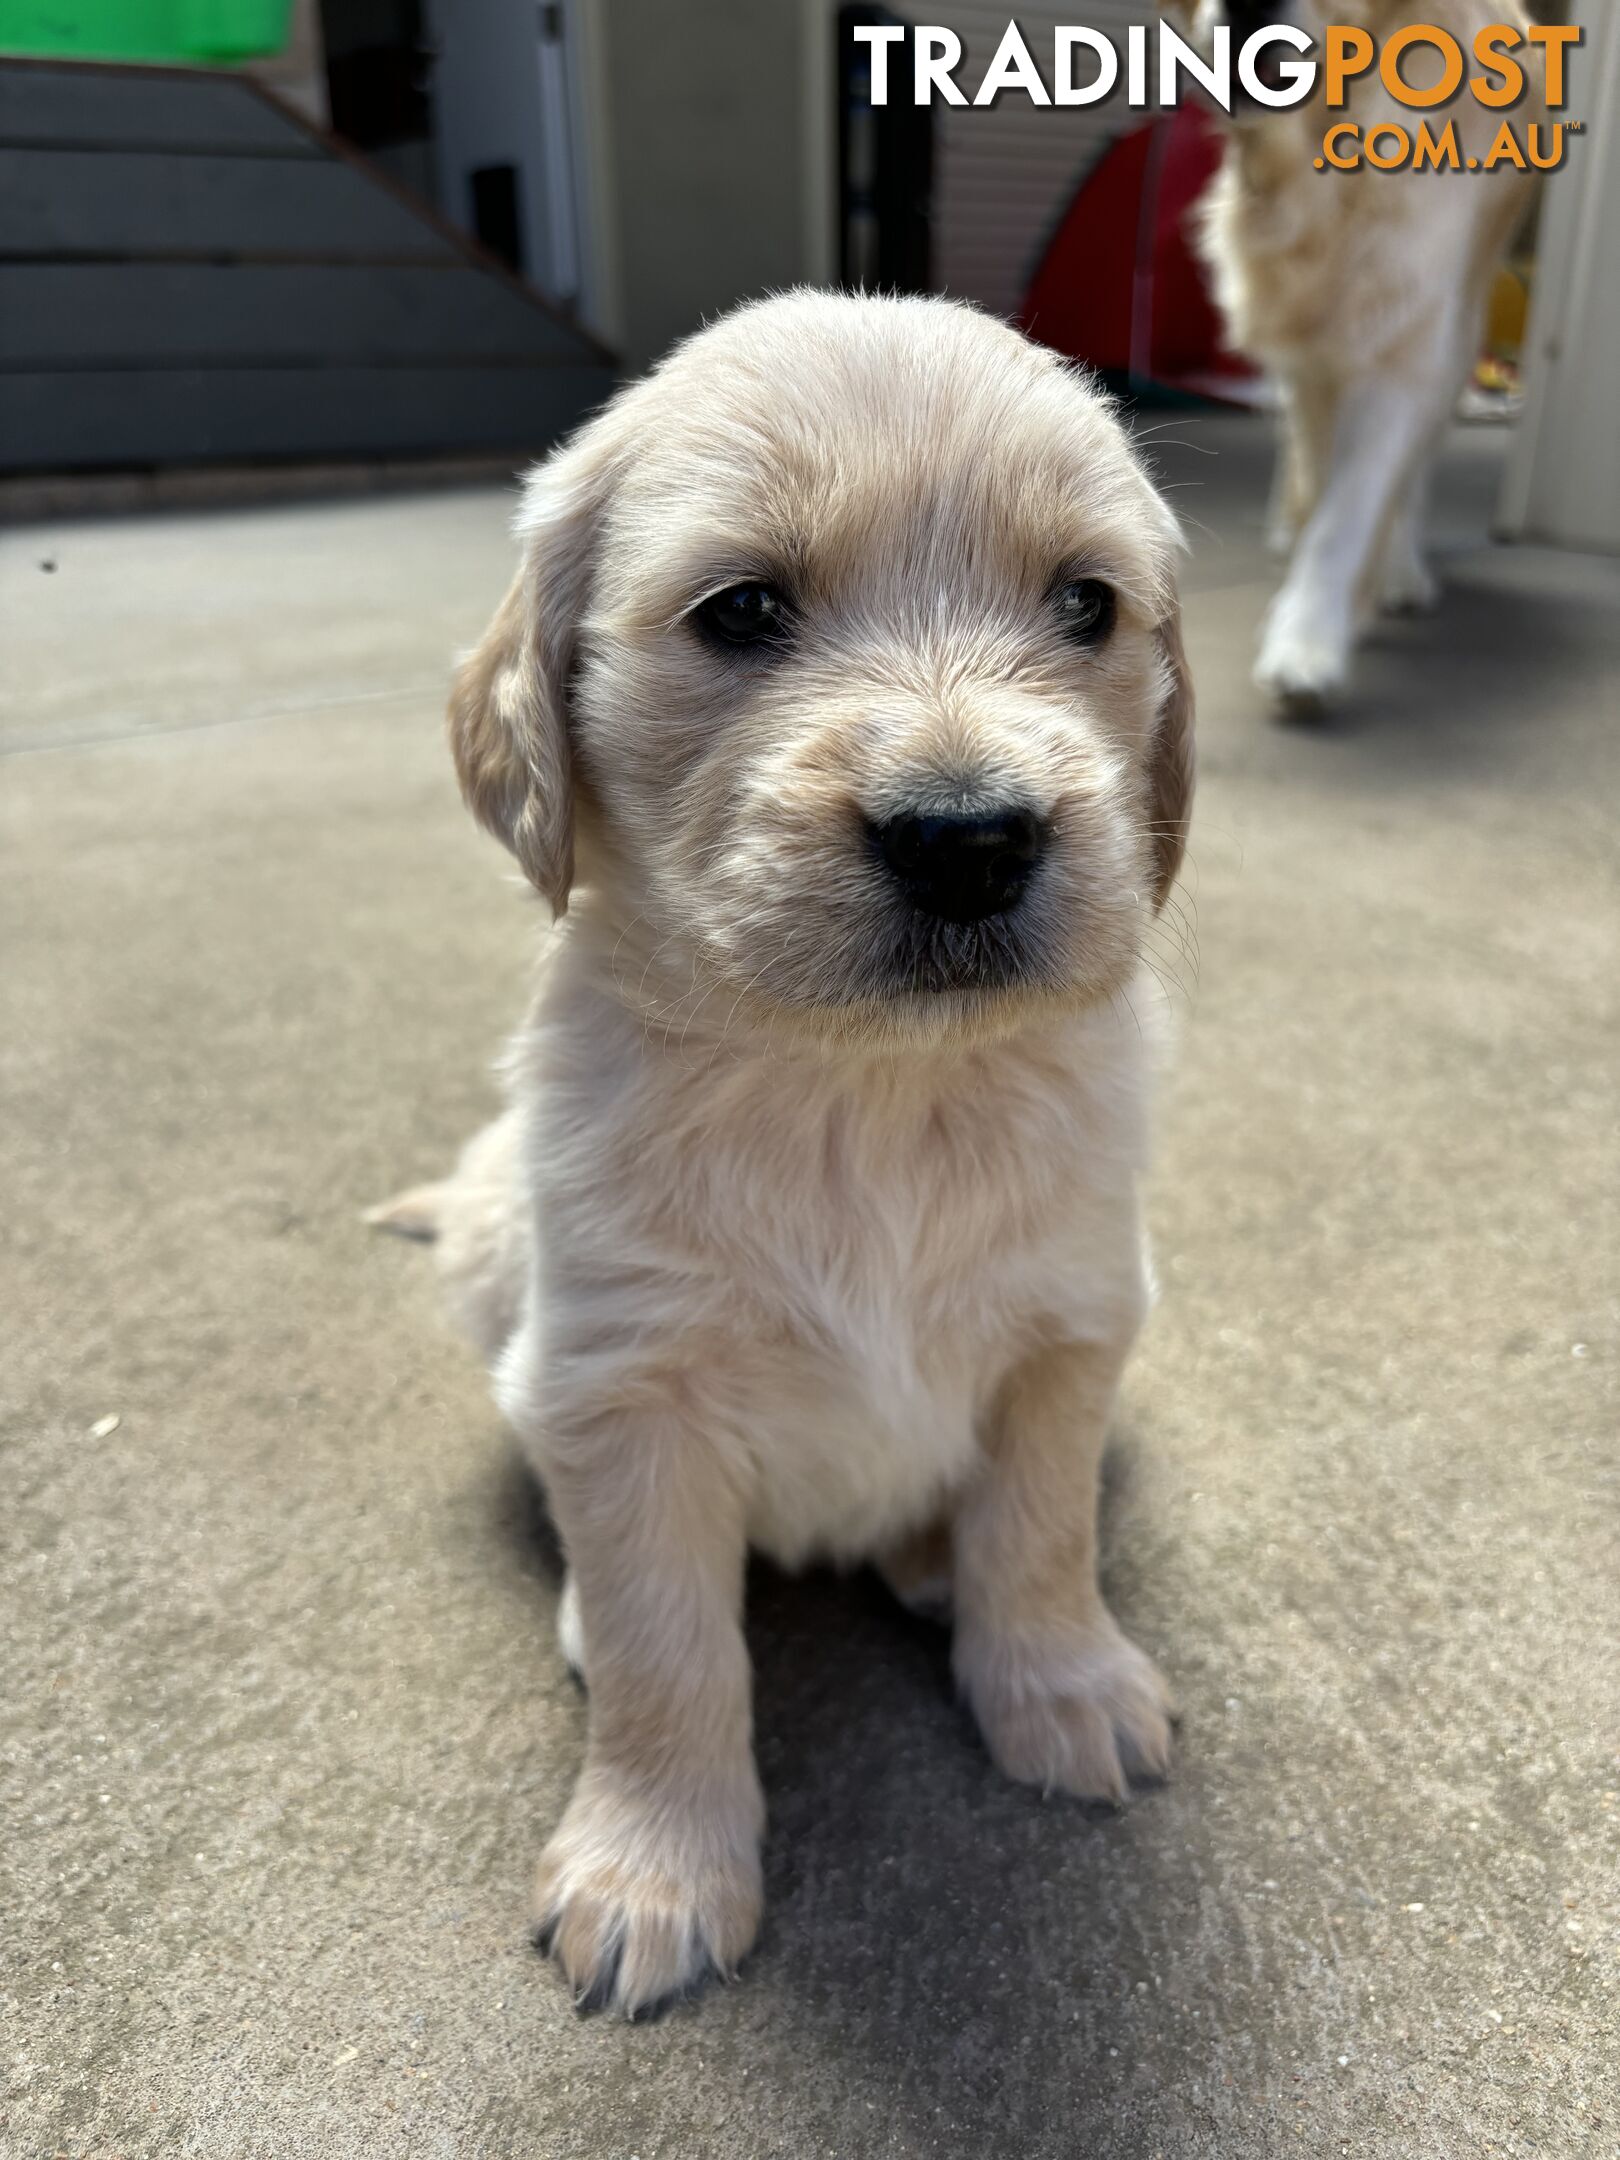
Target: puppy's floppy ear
(1171,761)
(509,704)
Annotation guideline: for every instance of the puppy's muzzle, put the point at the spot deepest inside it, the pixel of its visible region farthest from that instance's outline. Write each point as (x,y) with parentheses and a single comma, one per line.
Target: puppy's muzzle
(961,869)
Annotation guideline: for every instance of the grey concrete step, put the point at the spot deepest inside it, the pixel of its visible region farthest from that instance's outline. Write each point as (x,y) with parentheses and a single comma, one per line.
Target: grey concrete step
(191,274)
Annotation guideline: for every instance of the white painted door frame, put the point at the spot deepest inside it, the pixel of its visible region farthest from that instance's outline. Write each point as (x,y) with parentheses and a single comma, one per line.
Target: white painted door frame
(1563,477)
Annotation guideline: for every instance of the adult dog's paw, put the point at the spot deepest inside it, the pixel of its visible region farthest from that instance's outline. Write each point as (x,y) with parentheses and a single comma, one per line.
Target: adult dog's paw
(1406,584)
(1304,656)
(638,1903)
(1083,1718)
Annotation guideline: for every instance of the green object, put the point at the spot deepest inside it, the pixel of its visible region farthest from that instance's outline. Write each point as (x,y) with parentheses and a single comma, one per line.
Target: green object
(145,29)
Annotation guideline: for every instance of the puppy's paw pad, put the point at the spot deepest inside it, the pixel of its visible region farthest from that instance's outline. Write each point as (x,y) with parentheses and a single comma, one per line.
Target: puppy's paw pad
(632,1926)
(1083,1723)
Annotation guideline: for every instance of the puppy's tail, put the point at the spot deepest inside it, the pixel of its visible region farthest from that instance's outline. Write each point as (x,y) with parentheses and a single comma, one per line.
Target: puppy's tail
(480,1223)
(418,1213)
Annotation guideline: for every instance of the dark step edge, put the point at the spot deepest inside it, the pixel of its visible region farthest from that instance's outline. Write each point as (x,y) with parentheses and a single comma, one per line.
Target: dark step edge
(133,491)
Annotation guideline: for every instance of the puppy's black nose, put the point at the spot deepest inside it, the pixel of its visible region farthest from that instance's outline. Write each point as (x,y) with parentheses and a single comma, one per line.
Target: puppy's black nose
(962,869)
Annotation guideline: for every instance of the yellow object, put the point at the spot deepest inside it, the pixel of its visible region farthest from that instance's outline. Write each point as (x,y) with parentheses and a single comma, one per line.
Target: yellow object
(1507,314)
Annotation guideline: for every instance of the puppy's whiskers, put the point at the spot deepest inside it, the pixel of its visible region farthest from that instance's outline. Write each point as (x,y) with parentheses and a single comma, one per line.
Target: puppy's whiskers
(774,962)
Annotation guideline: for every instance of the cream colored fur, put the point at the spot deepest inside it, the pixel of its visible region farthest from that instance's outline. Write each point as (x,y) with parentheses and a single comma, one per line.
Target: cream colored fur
(773,1247)
(1363,293)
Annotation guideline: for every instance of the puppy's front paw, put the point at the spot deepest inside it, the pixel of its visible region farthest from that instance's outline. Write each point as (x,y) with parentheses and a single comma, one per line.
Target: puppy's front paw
(1082,1719)
(638,1902)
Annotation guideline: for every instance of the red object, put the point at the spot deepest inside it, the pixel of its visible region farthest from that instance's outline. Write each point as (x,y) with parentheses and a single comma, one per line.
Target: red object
(1120,286)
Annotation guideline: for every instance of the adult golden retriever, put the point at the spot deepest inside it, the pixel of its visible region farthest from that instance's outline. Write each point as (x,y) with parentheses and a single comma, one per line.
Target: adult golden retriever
(840,700)
(1363,293)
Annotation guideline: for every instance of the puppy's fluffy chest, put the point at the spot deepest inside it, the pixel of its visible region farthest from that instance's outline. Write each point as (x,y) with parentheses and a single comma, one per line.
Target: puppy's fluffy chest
(855,1250)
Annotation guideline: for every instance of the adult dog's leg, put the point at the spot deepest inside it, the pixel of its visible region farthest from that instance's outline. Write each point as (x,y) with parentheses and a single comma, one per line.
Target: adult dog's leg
(1282,520)
(1406,584)
(1304,446)
(653,1876)
(1063,1699)
(1305,647)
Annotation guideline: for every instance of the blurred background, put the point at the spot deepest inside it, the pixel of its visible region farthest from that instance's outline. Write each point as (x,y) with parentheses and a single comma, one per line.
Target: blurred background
(362,230)
(288,295)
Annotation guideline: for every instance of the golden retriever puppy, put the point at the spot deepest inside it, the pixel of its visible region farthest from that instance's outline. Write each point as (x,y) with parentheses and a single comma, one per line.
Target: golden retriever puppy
(1363,293)
(840,701)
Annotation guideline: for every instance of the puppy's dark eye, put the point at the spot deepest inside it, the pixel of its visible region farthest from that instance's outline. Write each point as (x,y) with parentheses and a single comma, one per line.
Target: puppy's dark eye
(1086,610)
(745,615)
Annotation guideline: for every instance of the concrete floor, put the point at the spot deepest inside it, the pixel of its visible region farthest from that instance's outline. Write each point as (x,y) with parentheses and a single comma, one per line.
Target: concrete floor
(284,1726)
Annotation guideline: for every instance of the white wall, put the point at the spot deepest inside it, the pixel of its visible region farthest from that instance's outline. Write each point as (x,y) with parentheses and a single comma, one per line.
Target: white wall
(704,117)
(1563,481)
(492,107)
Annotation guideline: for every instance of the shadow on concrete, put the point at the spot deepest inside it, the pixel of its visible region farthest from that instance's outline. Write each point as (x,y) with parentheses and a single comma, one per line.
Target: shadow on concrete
(976,1955)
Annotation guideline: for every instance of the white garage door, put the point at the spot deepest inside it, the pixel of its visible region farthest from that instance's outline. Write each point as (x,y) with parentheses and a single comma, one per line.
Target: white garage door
(1005,174)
